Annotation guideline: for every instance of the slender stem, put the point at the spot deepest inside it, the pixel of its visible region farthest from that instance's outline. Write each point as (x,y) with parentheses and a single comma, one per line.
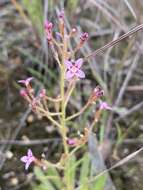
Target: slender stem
(63,107)
(49,117)
(96,118)
(57,165)
(53,99)
(78,113)
(63,121)
(69,91)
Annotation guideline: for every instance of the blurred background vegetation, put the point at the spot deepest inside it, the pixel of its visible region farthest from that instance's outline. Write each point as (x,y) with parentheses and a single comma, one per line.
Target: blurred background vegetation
(119,70)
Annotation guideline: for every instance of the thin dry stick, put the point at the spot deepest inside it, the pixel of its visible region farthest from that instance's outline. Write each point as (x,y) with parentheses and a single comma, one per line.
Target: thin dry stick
(130,8)
(130,111)
(114,42)
(127,79)
(111,17)
(120,163)
(29,142)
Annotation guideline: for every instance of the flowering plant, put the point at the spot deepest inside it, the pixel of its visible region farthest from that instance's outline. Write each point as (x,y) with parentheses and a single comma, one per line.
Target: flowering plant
(71,72)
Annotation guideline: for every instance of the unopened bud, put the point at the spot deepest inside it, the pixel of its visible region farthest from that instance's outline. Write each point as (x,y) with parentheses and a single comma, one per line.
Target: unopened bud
(48,25)
(96,94)
(84,37)
(23,93)
(42,93)
(61,15)
(73,32)
(71,142)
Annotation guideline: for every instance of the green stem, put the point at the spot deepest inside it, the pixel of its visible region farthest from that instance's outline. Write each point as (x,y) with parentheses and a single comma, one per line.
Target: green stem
(78,113)
(69,91)
(63,109)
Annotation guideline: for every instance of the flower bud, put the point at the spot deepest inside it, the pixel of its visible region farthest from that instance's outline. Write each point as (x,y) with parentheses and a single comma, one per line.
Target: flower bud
(61,15)
(71,142)
(84,37)
(48,25)
(42,93)
(96,94)
(23,93)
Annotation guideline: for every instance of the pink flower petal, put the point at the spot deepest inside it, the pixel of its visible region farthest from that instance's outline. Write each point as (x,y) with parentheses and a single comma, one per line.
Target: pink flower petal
(71,141)
(27,165)
(21,81)
(104,105)
(29,79)
(79,63)
(29,153)
(69,75)
(68,64)
(24,159)
(80,74)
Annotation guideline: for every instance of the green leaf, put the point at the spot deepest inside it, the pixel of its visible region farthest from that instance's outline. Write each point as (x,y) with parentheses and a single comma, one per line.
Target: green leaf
(42,178)
(99,184)
(84,172)
(56,177)
(70,171)
(39,187)
(35,11)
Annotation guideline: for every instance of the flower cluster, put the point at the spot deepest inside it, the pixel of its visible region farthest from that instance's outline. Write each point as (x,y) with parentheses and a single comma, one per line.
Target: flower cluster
(28,93)
(70,70)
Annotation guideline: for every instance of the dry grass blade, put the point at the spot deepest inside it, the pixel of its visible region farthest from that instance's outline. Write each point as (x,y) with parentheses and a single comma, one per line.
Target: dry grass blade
(130,111)
(127,79)
(130,8)
(20,10)
(108,15)
(114,42)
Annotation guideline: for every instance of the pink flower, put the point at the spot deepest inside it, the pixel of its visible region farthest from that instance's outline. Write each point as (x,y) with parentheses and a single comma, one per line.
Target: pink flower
(105,106)
(26,82)
(42,93)
(23,93)
(84,36)
(28,159)
(73,69)
(48,25)
(71,142)
(48,29)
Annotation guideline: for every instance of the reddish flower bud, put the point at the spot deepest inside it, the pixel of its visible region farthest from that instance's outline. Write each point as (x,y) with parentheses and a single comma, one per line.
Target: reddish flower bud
(71,142)
(48,25)
(96,94)
(84,36)
(42,93)
(61,15)
(23,93)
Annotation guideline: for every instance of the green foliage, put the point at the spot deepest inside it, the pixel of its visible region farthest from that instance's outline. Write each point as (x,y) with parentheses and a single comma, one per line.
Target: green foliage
(84,172)
(52,180)
(70,171)
(99,184)
(49,180)
(72,4)
(45,183)
(34,9)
